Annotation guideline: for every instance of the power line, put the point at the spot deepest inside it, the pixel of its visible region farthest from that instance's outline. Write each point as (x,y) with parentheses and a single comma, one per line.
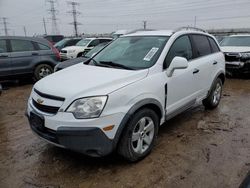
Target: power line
(74,14)
(53,12)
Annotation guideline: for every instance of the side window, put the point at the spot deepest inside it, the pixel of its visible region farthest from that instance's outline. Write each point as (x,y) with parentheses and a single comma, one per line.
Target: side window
(21,45)
(104,40)
(94,43)
(182,48)
(43,47)
(71,43)
(214,46)
(3,46)
(202,45)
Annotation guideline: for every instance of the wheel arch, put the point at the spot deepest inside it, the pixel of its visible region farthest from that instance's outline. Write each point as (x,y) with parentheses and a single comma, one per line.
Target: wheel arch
(149,103)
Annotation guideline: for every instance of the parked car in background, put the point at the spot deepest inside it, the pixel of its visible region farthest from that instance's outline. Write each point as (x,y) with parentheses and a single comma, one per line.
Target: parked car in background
(81,47)
(237,54)
(120,98)
(1,88)
(84,58)
(27,56)
(66,42)
(53,38)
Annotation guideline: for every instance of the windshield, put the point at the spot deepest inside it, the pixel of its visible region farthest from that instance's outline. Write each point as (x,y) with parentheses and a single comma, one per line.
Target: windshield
(95,50)
(83,42)
(61,42)
(136,52)
(236,41)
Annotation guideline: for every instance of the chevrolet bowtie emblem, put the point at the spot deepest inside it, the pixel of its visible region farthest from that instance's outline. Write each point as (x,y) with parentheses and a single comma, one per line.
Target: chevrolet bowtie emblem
(39,101)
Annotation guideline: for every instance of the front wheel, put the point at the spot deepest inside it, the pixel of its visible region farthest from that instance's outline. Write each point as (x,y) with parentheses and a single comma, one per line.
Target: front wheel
(213,99)
(42,71)
(139,135)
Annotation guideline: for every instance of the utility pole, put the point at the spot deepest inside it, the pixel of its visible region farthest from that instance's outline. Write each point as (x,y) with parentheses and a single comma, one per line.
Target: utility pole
(144,25)
(44,26)
(195,21)
(24,30)
(53,11)
(74,14)
(5,23)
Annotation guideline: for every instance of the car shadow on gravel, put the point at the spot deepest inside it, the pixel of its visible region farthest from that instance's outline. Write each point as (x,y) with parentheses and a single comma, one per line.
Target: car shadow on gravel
(12,83)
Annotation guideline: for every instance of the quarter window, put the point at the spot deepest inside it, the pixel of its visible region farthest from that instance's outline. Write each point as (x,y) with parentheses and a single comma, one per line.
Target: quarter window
(214,46)
(182,48)
(43,47)
(3,46)
(202,45)
(21,45)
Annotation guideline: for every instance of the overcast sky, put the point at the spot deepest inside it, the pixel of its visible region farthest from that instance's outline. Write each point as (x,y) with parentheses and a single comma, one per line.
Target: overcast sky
(103,16)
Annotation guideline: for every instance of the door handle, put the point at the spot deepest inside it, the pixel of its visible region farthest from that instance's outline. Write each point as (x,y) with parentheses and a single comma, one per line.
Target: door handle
(4,56)
(196,71)
(215,63)
(35,53)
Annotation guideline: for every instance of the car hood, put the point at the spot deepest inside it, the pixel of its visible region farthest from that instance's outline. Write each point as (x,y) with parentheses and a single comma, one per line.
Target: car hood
(74,48)
(71,62)
(85,80)
(236,49)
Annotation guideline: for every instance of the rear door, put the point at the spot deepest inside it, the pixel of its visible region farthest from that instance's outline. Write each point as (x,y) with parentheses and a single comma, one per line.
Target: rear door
(204,60)
(5,60)
(23,53)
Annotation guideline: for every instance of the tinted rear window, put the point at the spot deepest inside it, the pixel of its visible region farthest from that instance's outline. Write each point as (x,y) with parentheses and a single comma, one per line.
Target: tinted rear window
(202,45)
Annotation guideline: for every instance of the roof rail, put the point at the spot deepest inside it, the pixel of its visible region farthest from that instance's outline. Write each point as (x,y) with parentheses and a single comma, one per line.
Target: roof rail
(189,28)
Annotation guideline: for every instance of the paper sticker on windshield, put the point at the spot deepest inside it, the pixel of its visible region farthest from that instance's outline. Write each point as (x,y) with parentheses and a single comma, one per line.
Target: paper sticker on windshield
(150,54)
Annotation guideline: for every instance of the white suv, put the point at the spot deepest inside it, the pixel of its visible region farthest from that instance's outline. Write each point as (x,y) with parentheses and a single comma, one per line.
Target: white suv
(83,46)
(120,97)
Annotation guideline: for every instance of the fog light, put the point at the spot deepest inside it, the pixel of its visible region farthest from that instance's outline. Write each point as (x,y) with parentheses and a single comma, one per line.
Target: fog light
(108,128)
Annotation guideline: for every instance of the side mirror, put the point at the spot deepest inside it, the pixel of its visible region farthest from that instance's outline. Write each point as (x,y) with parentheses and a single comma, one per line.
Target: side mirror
(177,63)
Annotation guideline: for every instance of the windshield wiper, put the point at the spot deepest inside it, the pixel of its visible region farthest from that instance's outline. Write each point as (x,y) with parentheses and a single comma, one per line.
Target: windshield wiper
(110,63)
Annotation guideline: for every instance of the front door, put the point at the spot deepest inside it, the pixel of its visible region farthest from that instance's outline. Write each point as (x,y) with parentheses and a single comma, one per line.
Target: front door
(182,86)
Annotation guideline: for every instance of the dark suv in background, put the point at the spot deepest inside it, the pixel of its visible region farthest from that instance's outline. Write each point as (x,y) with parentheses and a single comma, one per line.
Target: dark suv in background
(27,56)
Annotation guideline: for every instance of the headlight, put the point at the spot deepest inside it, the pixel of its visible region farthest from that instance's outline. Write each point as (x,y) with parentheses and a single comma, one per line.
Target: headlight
(86,108)
(71,51)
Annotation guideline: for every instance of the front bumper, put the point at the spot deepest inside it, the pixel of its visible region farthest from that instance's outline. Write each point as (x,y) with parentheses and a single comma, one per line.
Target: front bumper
(84,136)
(87,140)
(238,67)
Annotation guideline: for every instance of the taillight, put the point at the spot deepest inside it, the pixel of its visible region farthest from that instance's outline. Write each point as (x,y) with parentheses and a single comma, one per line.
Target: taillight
(55,50)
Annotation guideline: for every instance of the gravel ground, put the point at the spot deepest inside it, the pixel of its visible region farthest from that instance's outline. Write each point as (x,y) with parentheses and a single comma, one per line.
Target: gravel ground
(199,148)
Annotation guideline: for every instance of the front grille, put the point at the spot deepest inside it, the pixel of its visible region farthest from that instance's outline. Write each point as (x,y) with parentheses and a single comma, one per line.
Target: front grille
(45,108)
(64,51)
(231,57)
(49,96)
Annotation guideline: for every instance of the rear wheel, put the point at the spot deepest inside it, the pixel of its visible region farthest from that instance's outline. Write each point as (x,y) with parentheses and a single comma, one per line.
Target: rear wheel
(42,71)
(139,136)
(213,99)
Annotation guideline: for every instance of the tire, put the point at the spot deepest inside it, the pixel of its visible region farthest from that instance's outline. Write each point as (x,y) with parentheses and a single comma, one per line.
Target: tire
(42,71)
(144,126)
(214,97)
